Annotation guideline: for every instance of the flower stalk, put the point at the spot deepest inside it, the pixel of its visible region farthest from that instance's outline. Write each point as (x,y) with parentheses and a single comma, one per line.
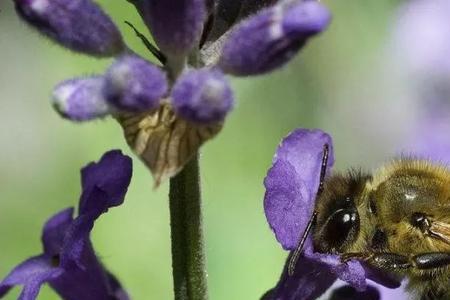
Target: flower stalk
(188,256)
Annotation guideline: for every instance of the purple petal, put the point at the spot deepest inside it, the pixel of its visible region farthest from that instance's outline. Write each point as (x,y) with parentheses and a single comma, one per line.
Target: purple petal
(84,276)
(104,186)
(309,281)
(351,272)
(69,264)
(133,84)
(77,236)
(176,25)
(81,99)
(202,96)
(303,148)
(87,280)
(54,231)
(272,37)
(291,186)
(292,182)
(79,25)
(286,203)
(112,175)
(32,273)
(313,275)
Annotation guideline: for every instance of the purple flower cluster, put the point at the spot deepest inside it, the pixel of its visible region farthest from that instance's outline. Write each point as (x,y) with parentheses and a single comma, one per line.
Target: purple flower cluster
(291,185)
(262,43)
(199,42)
(167,111)
(68,262)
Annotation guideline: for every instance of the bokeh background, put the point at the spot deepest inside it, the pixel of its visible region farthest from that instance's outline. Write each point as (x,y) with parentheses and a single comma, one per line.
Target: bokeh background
(352,81)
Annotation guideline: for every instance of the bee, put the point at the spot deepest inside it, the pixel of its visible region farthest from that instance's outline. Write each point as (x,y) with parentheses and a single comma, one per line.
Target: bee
(396,219)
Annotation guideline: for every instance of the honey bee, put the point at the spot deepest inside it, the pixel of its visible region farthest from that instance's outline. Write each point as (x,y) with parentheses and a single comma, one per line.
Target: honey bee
(396,220)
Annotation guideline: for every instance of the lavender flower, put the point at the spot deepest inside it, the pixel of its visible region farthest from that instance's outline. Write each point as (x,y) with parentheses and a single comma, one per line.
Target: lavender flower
(68,262)
(79,25)
(291,185)
(270,39)
(127,85)
(81,99)
(176,116)
(176,25)
(202,96)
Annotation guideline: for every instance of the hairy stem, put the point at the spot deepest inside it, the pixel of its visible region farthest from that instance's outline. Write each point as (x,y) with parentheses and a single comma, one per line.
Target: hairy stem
(188,258)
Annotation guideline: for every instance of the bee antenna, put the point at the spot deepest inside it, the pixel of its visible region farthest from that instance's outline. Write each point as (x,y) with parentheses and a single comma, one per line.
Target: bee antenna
(298,250)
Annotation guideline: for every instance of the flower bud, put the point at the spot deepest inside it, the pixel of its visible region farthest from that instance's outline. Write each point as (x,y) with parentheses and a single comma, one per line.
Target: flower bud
(81,99)
(176,25)
(79,25)
(272,37)
(133,84)
(202,96)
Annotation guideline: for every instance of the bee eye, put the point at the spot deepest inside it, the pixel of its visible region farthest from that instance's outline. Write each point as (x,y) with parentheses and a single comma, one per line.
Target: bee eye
(340,226)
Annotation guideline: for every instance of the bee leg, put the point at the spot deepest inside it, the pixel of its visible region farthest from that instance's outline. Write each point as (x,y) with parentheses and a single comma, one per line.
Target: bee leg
(431,260)
(424,261)
(381,260)
(355,255)
(391,261)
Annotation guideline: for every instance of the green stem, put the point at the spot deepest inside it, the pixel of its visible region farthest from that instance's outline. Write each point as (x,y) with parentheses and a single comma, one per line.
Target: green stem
(188,258)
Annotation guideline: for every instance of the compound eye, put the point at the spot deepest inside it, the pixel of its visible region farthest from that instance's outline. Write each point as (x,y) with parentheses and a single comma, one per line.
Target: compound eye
(341,225)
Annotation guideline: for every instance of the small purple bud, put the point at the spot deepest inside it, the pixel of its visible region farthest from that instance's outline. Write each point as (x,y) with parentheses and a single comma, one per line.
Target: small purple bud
(176,25)
(133,84)
(272,37)
(81,99)
(202,96)
(79,25)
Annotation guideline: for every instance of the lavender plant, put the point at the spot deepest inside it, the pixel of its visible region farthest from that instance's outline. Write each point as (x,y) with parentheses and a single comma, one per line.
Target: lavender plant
(167,111)
(68,262)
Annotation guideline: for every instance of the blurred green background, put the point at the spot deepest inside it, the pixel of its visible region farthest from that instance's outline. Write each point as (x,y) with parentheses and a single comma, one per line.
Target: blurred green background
(343,82)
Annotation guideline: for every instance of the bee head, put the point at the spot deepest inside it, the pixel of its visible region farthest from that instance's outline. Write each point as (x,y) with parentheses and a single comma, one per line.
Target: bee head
(338,221)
